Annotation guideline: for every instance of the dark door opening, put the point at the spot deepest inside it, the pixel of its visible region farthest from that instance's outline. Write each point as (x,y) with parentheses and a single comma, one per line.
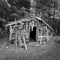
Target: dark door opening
(33,35)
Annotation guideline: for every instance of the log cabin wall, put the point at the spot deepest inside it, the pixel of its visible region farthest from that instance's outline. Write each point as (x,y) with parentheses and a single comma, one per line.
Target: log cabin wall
(25,31)
(42,30)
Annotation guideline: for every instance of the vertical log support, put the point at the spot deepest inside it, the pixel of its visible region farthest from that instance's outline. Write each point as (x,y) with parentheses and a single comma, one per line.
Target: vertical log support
(24,42)
(10,35)
(22,37)
(16,38)
(41,36)
(47,35)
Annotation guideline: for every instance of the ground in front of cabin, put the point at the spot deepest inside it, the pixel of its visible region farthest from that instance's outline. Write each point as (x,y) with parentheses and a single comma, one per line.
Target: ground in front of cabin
(49,51)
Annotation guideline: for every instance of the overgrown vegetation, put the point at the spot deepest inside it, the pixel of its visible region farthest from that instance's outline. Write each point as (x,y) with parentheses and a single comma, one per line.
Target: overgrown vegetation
(50,12)
(17,9)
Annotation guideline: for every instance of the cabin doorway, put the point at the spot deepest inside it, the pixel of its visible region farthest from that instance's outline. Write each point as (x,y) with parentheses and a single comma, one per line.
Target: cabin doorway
(33,35)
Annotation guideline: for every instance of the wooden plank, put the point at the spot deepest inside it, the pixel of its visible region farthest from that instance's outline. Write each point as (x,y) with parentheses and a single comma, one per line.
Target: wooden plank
(11,30)
(25,42)
(19,21)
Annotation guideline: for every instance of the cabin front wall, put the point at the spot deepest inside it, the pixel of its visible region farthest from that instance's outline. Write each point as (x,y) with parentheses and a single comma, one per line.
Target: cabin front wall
(42,31)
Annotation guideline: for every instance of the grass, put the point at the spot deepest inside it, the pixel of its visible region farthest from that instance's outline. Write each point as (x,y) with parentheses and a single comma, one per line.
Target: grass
(50,51)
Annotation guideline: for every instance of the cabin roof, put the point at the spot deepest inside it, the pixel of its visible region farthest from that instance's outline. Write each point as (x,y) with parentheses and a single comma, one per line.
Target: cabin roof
(45,22)
(19,21)
(27,20)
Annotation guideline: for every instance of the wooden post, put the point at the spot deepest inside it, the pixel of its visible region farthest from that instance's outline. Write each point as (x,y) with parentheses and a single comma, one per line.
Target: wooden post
(10,36)
(41,36)
(16,37)
(24,42)
(47,35)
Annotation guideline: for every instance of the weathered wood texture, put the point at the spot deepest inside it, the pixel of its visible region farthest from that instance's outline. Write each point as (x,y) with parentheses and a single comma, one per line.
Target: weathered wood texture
(43,31)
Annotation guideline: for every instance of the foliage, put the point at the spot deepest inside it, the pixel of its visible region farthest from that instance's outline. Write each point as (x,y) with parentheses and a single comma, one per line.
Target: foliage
(48,8)
(12,9)
(15,5)
(17,9)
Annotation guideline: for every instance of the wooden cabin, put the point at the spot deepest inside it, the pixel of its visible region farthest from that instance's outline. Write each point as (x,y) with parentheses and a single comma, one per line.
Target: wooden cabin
(33,30)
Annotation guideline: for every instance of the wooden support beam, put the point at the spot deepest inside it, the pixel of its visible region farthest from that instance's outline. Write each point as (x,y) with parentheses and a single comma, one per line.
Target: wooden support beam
(19,21)
(16,38)
(25,42)
(47,35)
(41,36)
(10,36)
